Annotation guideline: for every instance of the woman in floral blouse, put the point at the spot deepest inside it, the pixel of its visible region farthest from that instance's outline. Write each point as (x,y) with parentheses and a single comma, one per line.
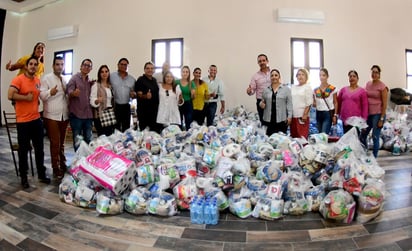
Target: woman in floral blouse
(326,103)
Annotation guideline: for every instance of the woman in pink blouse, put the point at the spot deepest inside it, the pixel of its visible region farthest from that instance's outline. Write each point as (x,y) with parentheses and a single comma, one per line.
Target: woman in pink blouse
(377,99)
(352,101)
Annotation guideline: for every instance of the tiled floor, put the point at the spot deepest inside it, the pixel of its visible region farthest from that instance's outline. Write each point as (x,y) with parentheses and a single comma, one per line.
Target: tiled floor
(35,219)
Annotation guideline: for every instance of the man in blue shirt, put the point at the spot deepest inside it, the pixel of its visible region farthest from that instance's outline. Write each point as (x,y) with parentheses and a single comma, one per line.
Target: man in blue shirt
(123,89)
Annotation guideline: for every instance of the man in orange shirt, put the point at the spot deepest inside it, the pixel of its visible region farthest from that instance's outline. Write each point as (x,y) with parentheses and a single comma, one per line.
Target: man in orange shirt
(24,90)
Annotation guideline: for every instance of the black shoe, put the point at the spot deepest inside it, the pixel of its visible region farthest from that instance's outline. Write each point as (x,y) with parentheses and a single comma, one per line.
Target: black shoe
(60,174)
(25,182)
(45,180)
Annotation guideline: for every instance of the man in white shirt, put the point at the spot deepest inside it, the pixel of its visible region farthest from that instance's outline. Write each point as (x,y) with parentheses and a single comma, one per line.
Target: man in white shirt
(55,114)
(215,86)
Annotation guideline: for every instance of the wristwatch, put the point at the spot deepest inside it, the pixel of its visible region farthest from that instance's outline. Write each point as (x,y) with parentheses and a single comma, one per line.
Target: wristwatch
(382,119)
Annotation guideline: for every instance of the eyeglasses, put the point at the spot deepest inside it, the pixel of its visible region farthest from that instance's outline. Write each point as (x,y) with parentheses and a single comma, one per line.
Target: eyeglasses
(123,64)
(167,93)
(87,65)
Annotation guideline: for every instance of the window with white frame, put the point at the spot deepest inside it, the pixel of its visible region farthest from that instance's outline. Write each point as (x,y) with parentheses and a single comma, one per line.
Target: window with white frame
(67,55)
(409,70)
(307,53)
(168,50)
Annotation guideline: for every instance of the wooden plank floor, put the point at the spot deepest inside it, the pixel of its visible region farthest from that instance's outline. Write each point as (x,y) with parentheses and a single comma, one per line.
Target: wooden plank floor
(35,219)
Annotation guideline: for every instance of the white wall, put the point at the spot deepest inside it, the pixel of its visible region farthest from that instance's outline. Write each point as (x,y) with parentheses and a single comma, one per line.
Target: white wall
(228,33)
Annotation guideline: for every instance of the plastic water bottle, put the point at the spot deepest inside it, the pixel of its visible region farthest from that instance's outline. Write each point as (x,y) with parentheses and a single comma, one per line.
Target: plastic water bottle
(199,212)
(206,212)
(396,148)
(193,209)
(334,131)
(214,212)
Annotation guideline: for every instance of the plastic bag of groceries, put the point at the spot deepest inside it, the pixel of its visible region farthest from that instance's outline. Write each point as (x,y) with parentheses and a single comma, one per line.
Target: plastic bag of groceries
(270,171)
(86,190)
(296,204)
(314,197)
(268,209)
(279,141)
(371,200)
(168,176)
(170,131)
(136,201)
(184,191)
(358,122)
(145,175)
(67,189)
(349,142)
(163,204)
(222,200)
(338,205)
(258,189)
(102,140)
(239,202)
(108,203)
(186,166)
(241,207)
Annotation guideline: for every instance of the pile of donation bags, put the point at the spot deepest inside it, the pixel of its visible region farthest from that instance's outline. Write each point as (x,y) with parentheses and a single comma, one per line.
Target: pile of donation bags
(235,163)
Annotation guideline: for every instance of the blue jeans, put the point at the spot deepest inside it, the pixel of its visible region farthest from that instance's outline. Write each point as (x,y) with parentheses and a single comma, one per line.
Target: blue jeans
(186,113)
(81,127)
(210,110)
(323,121)
(372,121)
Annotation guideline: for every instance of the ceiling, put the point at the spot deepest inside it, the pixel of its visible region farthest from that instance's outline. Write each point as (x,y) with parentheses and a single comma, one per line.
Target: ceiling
(22,6)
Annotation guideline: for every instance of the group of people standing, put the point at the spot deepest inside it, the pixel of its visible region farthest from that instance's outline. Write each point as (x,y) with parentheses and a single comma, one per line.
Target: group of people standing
(161,101)
(280,107)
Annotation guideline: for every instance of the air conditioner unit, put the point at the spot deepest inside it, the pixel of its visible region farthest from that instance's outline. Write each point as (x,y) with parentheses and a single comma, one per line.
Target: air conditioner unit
(62,32)
(288,15)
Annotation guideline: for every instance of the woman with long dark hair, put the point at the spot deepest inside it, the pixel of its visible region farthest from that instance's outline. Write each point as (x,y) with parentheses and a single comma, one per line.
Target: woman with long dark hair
(325,102)
(378,100)
(277,105)
(353,101)
(101,98)
(170,96)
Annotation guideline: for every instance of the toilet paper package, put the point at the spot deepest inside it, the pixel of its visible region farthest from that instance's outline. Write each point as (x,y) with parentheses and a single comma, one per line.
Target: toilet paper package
(112,171)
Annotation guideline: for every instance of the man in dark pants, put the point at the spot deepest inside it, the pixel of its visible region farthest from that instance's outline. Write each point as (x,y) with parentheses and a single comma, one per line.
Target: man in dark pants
(260,81)
(215,86)
(25,90)
(147,92)
(123,89)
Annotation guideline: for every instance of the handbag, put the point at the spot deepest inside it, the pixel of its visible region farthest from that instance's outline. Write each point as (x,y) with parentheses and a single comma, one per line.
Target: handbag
(107,117)
(331,111)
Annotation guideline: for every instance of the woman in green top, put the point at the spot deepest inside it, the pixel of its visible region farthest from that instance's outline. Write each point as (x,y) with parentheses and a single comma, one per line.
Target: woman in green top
(188,91)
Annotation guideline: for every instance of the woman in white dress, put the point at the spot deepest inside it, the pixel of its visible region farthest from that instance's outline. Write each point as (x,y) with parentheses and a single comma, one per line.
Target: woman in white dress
(170,97)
